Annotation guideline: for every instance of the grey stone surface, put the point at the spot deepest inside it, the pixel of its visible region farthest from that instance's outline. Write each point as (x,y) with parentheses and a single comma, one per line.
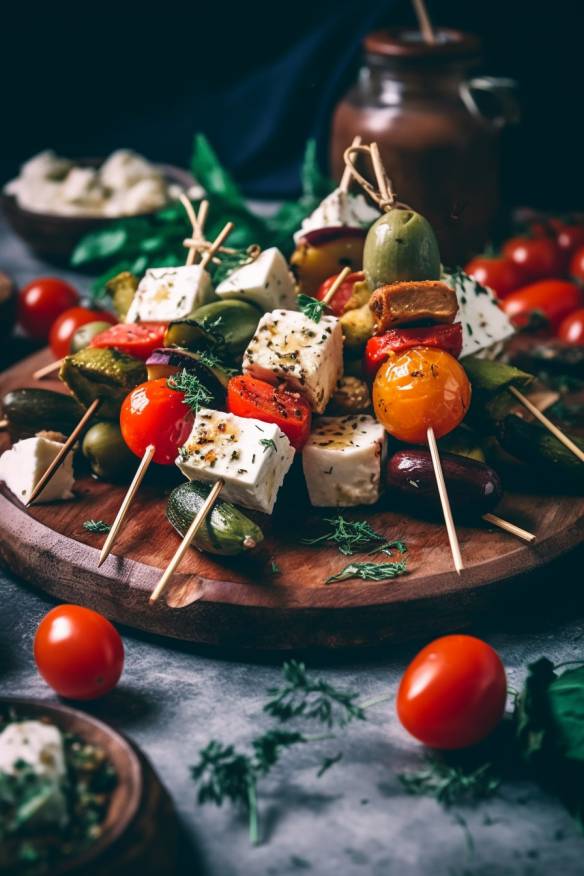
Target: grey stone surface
(355,820)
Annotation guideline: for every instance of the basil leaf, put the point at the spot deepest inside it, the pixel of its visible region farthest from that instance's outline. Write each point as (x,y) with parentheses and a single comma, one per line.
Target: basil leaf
(209,172)
(566,703)
(533,721)
(101,244)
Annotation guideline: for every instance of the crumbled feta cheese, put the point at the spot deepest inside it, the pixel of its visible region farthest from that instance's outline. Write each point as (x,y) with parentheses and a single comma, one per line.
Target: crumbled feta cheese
(339,209)
(40,746)
(309,356)
(266,281)
(343,460)
(164,294)
(81,186)
(483,322)
(124,168)
(23,465)
(251,456)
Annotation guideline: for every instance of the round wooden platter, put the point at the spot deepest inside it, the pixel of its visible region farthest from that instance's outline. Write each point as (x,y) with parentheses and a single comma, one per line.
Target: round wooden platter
(242,603)
(140,831)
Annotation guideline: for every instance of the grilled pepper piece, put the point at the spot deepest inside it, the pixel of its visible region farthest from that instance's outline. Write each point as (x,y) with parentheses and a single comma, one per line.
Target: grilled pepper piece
(395,341)
(104,374)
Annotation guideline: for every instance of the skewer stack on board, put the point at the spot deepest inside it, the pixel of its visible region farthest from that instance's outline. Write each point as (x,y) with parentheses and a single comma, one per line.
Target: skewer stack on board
(243,372)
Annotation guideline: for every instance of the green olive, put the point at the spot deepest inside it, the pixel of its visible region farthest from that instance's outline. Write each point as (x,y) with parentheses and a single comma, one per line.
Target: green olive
(234,321)
(107,453)
(400,246)
(189,335)
(86,333)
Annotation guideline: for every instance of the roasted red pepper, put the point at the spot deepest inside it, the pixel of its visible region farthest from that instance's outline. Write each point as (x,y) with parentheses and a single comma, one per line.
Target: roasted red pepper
(343,293)
(249,397)
(378,349)
(138,339)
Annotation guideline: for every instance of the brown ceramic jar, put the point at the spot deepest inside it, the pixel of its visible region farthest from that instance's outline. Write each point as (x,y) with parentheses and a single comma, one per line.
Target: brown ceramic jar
(441,153)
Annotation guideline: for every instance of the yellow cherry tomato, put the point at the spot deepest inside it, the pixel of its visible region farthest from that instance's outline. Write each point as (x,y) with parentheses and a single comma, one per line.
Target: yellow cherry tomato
(313,264)
(420,388)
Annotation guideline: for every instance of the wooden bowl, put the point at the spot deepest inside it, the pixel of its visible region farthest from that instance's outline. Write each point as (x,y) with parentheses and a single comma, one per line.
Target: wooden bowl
(139,807)
(55,237)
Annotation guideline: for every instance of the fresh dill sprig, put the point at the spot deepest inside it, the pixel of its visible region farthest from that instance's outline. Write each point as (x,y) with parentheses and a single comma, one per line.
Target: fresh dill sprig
(212,360)
(268,443)
(304,697)
(311,307)
(354,537)
(369,572)
(96,526)
(196,395)
(452,784)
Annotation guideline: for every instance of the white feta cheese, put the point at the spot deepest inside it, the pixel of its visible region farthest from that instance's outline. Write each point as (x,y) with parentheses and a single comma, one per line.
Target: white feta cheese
(81,186)
(164,294)
(143,197)
(23,465)
(266,281)
(343,461)
(307,355)
(339,209)
(483,322)
(124,168)
(251,456)
(40,746)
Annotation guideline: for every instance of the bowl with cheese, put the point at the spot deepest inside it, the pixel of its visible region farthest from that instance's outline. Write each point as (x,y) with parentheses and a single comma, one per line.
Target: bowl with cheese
(55,201)
(71,788)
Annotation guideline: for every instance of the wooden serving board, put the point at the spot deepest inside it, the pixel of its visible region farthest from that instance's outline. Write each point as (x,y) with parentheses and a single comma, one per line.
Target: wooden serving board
(241,603)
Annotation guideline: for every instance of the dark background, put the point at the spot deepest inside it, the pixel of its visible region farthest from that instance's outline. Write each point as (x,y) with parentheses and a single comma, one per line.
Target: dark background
(259,79)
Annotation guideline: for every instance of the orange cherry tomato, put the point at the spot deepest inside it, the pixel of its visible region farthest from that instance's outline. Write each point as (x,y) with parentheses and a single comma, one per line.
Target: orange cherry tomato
(41,302)
(78,652)
(420,388)
(571,330)
(152,413)
(453,693)
(68,322)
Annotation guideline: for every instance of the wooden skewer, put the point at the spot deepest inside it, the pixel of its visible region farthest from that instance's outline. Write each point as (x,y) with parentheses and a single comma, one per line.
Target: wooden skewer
(379,171)
(339,279)
(65,449)
(551,427)
(47,369)
(494,520)
(128,499)
(347,174)
(424,22)
(185,543)
(444,501)
(225,232)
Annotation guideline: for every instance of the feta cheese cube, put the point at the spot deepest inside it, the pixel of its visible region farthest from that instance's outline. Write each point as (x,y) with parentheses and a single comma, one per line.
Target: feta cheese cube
(23,465)
(164,294)
(309,356)
(40,746)
(343,461)
(484,324)
(339,209)
(266,281)
(251,456)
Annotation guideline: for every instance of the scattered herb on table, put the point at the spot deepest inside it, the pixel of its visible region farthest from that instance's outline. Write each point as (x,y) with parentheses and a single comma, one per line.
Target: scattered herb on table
(370,572)
(311,307)
(96,526)
(301,696)
(451,784)
(196,395)
(354,537)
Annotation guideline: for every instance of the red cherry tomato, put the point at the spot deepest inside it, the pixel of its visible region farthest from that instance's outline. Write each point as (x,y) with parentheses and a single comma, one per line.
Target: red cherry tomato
(453,693)
(343,293)
(41,302)
(379,348)
(577,265)
(570,238)
(552,299)
(134,339)
(249,397)
(500,275)
(155,414)
(571,330)
(66,325)
(78,652)
(536,258)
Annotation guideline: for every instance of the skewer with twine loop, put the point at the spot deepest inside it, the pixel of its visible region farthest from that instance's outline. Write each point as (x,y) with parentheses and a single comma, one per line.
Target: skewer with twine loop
(197,243)
(384,195)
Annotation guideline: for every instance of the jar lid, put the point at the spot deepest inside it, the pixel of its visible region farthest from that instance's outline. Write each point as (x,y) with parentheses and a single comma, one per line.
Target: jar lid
(405,44)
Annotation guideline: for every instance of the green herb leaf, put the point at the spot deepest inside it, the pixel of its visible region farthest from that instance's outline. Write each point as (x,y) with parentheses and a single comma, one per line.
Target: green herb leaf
(328,762)
(209,172)
(369,572)
(310,307)
(451,784)
(303,696)
(195,394)
(268,443)
(96,526)
(100,245)
(566,703)
(275,569)
(354,537)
